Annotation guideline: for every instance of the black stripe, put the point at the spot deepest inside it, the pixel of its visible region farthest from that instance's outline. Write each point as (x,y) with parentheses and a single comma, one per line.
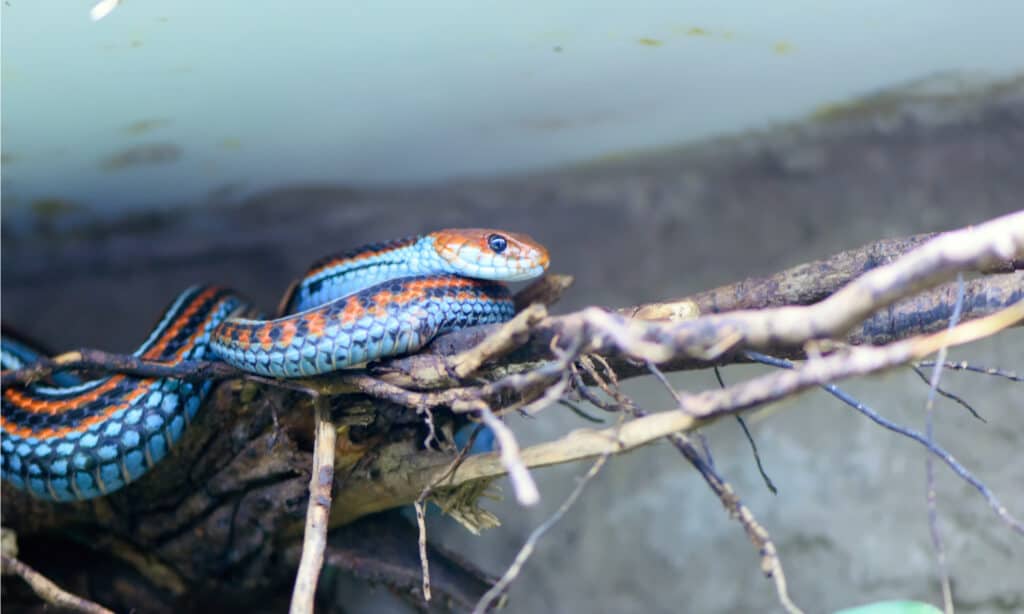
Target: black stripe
(71,418)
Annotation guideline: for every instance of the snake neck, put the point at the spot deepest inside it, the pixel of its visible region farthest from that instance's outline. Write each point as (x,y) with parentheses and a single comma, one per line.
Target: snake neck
(351,272)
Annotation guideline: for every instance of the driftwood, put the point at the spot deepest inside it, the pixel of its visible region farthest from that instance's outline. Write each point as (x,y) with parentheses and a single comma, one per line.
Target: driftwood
(221,523)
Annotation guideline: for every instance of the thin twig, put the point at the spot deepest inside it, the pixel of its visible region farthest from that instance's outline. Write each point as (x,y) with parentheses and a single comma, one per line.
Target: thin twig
(743,425)
(965,366)
(584,391)
(945,393)
(932,447)
(556,390)
(522,482)
(89,360)
(750,440)
(699,409)
(770,562)
(314,540)
(545,291)
(428,419)
(421,524)
(48,591)
(531,543)
(511,335)
(579,412)
(933,515)
(420,506)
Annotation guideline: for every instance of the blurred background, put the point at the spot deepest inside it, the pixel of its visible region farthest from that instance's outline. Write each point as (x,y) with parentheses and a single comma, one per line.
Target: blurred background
(657,148)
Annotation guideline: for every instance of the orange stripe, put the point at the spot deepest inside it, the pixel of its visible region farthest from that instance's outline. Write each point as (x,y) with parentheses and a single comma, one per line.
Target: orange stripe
(154,352)
(315,323)
(99,416)
(180,354)
(352,312)
(58,406)
(222,334)
(263,335)
(288,328)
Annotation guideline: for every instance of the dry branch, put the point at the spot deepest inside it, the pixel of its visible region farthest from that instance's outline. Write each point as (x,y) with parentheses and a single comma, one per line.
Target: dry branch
(697,410)
(809,283)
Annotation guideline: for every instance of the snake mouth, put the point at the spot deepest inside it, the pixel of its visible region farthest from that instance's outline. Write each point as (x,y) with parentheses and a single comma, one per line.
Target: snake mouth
(526,273)
(511,272)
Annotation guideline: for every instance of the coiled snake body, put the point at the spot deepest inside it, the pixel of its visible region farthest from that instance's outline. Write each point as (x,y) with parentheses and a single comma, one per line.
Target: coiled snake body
(79,440)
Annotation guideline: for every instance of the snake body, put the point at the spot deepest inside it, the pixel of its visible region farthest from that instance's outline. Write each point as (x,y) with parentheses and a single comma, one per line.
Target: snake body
(384,320)
(74,441)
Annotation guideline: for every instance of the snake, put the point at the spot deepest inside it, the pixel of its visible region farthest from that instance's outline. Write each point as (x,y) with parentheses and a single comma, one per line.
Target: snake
(66,440)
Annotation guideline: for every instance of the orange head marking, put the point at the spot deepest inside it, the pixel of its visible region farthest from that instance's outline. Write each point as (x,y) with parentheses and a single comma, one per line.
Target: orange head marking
(484,253)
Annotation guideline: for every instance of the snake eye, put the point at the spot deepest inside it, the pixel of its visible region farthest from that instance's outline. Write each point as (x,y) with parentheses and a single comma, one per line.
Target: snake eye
(497,243)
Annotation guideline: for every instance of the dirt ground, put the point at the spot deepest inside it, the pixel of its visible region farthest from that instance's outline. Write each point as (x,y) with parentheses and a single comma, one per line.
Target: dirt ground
(849,520)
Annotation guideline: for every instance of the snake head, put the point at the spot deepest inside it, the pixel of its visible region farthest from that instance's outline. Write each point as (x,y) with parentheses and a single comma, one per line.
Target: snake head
(485,253)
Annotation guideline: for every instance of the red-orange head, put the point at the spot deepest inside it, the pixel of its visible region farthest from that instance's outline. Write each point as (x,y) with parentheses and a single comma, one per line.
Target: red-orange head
(484,253)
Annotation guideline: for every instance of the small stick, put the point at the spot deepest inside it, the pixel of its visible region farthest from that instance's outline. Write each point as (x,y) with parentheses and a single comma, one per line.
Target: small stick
(965,366)
(945,393)
(106,362)
(993,502)
(933,515)
(531,543)
(511,335)
(522,482)
(48,591)
(771,565)
(421,522)
(314,540)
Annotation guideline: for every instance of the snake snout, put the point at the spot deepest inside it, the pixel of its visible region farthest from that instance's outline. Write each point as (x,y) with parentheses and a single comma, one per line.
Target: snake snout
(486,253)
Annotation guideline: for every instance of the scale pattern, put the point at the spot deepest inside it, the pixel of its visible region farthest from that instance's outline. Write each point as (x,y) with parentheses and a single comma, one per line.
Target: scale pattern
(348,272)
(461,252)
(388,319)
(79,442)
